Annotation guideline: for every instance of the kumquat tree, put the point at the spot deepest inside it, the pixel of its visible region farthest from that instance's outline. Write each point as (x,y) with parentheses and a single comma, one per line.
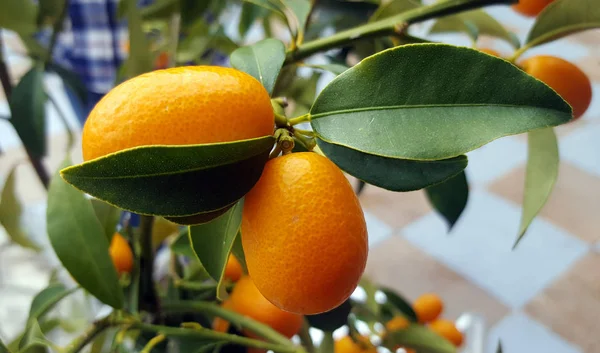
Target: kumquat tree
(231,157)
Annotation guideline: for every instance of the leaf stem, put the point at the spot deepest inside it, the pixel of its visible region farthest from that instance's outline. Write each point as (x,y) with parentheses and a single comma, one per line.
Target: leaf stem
(88,336)
(153,343)
(236,319)
(518,53)
(387,26)
(298,120)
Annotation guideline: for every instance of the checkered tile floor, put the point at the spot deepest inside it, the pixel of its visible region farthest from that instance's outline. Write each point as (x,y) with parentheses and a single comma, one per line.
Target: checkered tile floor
(542,297)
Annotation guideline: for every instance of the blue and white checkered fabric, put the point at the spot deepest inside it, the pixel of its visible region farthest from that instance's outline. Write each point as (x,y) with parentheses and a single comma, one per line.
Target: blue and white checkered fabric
(92,42)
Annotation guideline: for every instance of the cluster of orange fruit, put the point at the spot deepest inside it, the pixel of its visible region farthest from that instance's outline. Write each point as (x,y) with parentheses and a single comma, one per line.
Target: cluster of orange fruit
(292,218)
(531,8)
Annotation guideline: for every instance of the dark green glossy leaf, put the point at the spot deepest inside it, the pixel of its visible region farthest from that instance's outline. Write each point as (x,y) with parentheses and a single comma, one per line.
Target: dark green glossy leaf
(540,176)
(139,60)
(474,23)
(3,348)
(333,68)
(182,245)
(10,213)
(331,320)
(18,16)
(563,17)
(72,80)
(394,7)
(28,114)
(108,216)
(262,60)
(400,303)
(79,242)
(174,180)
(450,197)
(45,300)
(212,243)
(238,251)
(420,338)
(431,102)
(392,173)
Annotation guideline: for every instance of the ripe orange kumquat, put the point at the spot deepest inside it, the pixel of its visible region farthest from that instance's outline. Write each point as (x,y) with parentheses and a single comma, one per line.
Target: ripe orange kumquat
(121,254)
(448,330)
(428,307)
(531,8)
(304,234)
(565,78)
(347,345)
(233,269)
(245,299)
(397,323)
(178,106)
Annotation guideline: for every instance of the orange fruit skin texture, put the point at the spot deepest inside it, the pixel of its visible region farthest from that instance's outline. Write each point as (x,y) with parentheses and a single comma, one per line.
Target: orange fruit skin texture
(233,269)
(448,330)
(178,106)
(219,324)
(531,8)
(304,234)
(428,307)
(347,345)
(245,299)
(121,254)
(565,78)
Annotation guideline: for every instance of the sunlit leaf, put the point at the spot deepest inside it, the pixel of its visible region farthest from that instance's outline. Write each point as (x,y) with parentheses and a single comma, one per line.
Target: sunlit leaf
(28,114)
(45,300)
(176,181)
(540,176)
(564,17)
(33,340)
(212,243)
(420,338)
(80,243)
(450,197)
(262,60)
(3,348)
(297,14)
(10,213)
(432,95)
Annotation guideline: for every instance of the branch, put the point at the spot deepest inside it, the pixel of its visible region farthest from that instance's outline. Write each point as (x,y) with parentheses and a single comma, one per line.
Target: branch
(387,26)
(58,26)
(148,300)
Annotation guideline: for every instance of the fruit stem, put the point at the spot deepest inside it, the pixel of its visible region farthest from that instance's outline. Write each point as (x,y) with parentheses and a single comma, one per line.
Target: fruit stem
(153,343)
(518,53)
(240,321)
(305,338)
(298,120)
(387,26)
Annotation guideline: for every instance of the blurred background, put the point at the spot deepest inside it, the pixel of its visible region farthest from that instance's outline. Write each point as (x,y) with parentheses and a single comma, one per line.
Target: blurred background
(544,296)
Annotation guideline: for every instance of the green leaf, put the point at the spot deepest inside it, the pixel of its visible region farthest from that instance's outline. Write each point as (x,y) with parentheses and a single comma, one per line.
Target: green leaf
(79,242)
(399,303)
(277,8)
(420,338)
(3,348)
(18,16)
(327,344)
(333,68)
(72,80)
(212,243)
(431,102)
(331,320)
(474,23)
(49,11)
(262,60)
(108,216)
(238,251)
(174,180)
(139,60)
(10,213)
(33,340)
(182,245)
(160,9)
(45,300)
(450,197)
(563,17)
(28,114)
(297,15)
(370,289)
(392,173)
(540,176)
(394,7)
(250,14)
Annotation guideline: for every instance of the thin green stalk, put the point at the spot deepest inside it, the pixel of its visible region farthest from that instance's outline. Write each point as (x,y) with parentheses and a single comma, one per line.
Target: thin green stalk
(58,26)
(88,336)
(63,119)
(298,120)
(387,26)
(153,343)
(236,319)
(197,286)
(305,338)
(519,52)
